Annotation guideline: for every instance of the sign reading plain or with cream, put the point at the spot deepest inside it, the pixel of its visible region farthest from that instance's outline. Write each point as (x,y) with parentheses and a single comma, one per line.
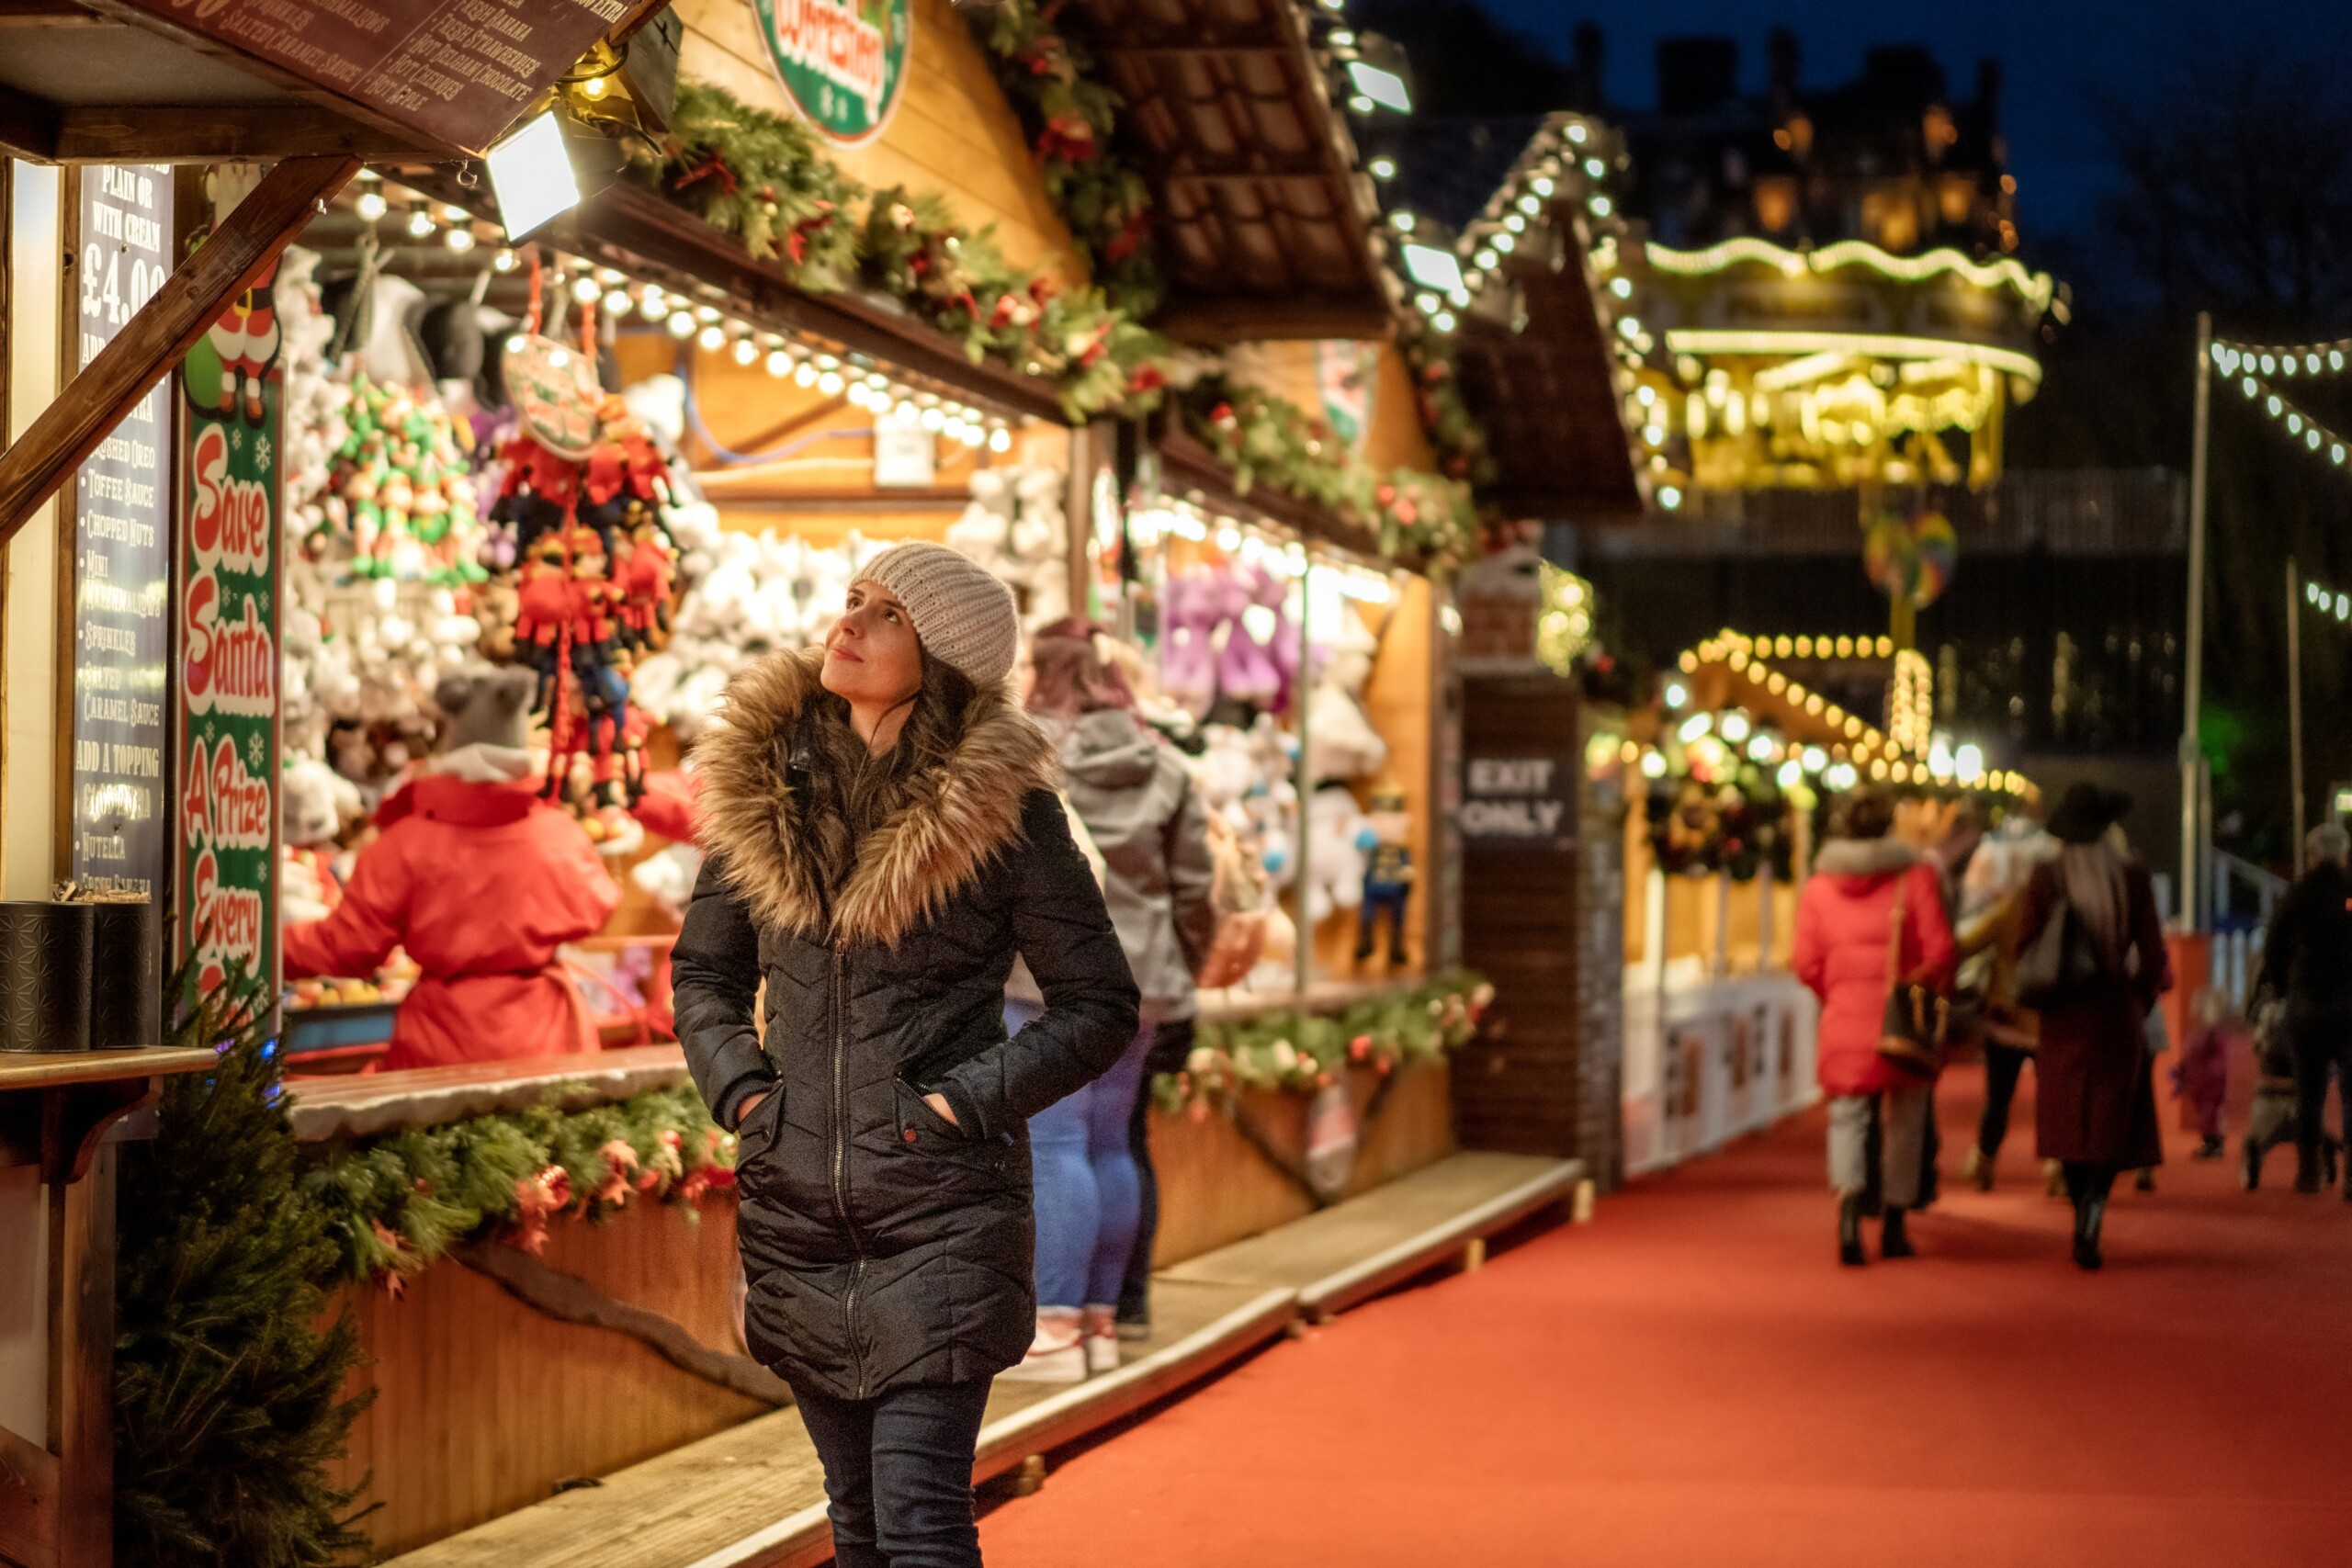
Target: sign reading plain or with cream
(842,62)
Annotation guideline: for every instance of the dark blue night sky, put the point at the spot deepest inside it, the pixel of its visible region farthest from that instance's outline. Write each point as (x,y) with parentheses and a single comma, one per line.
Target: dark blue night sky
(2056,56)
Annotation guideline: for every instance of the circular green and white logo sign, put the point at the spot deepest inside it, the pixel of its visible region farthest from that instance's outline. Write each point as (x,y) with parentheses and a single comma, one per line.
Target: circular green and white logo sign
(842,62)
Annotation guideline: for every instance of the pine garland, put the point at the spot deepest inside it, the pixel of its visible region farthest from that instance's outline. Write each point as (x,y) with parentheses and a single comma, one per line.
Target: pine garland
(763,178)
(396,1203)
(1424,520)
(1299,1053)
(1071,118)
(229,1374)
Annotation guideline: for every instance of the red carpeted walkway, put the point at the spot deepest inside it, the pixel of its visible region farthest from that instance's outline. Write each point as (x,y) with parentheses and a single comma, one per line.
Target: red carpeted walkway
(1692,1380)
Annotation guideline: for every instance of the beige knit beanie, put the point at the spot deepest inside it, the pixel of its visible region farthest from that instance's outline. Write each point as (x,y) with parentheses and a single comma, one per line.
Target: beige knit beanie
(965,617)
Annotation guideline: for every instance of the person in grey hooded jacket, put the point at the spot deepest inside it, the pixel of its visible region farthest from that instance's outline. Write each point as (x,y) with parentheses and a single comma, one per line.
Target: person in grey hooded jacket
(1094,1192)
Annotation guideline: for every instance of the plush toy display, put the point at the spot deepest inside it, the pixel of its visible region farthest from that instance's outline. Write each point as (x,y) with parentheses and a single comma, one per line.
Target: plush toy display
(1389,875)
(1341,742)
(1015,527)
(1336,832)
(315,802)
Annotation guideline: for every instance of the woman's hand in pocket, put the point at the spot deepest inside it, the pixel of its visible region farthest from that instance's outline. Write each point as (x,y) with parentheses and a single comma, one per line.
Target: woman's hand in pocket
(743,1115)
(938,1103)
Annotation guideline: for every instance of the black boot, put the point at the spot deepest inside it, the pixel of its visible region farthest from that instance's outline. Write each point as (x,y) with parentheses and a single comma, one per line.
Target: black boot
(2250,1175)
(2306,1170)
(1893,1241)
(2089,1214)
(1849,1230)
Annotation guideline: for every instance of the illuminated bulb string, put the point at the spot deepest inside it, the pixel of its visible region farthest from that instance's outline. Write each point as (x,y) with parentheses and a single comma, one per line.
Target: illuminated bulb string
(2284,359)
(2328,601)
(2300,428)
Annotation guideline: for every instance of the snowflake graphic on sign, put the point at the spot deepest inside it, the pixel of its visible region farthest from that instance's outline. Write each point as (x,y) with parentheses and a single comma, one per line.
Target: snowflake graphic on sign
(842,62)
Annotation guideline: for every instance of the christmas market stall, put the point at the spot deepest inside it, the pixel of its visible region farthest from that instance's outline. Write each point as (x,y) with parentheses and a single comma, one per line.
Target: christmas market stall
(1728,773)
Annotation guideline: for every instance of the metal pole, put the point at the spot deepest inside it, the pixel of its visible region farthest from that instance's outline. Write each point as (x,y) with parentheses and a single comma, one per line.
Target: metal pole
(2295,705)
(2191,869)
(1302,785)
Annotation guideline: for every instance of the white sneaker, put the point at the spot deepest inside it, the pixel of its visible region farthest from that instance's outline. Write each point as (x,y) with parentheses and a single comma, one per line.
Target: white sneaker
(1055,1355)
(1098,1331)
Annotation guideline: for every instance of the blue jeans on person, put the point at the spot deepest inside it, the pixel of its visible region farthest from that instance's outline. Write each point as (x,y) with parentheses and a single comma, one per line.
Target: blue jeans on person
(899,1473)
(1088,1193)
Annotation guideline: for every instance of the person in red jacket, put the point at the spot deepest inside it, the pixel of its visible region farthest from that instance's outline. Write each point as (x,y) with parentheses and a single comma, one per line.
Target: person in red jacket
(1846,917)
(480,881)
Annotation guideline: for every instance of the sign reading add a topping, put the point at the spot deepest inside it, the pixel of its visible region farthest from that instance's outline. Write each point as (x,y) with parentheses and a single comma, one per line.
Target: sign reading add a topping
(1525,801)
(842,62)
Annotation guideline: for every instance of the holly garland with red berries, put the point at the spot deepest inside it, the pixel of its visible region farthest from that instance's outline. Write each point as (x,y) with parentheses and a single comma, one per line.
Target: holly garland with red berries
(1298,1052)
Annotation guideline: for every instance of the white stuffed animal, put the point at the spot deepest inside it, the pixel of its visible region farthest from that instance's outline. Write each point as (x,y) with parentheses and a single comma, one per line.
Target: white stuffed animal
(1335,859)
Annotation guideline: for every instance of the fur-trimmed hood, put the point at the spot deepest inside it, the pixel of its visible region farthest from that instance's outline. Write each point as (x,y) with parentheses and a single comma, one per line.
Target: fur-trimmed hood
(956,821)
(1865,857)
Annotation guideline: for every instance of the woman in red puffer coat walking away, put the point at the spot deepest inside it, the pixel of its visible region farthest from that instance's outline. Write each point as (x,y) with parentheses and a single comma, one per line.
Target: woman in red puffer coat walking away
(1868,890)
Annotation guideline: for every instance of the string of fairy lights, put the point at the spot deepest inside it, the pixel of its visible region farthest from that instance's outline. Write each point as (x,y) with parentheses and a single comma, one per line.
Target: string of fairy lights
(2252,366)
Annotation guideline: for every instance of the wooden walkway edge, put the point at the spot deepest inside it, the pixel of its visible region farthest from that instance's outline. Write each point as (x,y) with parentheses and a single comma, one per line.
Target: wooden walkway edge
(753,1496)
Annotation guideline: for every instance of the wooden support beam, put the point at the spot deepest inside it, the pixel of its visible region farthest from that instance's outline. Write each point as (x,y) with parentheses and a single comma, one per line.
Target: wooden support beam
(206,133)
(151,343)
(28,127)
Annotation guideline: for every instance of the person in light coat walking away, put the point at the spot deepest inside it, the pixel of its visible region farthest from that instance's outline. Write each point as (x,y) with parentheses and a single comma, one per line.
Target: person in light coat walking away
(1871,908)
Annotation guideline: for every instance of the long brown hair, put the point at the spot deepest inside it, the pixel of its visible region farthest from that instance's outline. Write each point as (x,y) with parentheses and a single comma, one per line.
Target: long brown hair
(846,791)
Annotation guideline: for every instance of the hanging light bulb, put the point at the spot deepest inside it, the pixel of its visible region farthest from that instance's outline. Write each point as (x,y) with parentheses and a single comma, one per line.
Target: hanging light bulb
(503,260)
(932,420)
(586,290)
(420,222)
(804,374)
(999,439)
(829,383)
(713,337)
(682,324)
(860,395)
(745,351)
(779,363)
(460,240)
(370,205)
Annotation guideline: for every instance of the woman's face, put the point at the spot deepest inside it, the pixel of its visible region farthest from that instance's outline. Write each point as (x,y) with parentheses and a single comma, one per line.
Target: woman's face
(872,657)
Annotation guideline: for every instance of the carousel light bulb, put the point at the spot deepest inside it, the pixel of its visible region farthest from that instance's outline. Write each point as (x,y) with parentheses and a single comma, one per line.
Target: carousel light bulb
(610,276)
(682,323)
(745,351)
(880,402)
(779,363)
(712,337)
(1486,260)
(1228,539)
(1594,168)
(1759,748)
(460,240)
(1602,205)
(1542,185)
(1445,321)
(370,205)
(1622,286)
(999,439)
(1970,763)
(1694,726)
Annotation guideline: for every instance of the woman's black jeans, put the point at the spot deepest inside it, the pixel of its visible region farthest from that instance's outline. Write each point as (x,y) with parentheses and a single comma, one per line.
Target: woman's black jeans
(899,1473)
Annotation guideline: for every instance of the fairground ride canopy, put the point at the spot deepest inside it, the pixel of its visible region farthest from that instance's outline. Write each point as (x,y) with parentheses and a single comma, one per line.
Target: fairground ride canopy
(1841,367)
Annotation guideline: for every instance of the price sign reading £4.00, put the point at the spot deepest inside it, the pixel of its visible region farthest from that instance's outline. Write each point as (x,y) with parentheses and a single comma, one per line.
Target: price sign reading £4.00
(227,786)
(122,558)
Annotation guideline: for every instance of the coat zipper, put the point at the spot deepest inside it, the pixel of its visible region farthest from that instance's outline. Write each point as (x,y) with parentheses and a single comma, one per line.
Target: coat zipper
(841,1162)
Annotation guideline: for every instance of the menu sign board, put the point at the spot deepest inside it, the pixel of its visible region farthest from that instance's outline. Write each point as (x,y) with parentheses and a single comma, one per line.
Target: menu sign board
(457,71)
(226,805)
(122,558)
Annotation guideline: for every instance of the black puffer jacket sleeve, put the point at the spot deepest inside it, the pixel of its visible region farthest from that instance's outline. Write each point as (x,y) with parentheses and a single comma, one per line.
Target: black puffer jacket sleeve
(1061,928)
(715,985)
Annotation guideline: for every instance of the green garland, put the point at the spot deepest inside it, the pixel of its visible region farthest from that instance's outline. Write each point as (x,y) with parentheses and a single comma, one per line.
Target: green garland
(1425,520)
(1299,1051)
(1069,117)
(230,1369)
(763,178)
(395,1203)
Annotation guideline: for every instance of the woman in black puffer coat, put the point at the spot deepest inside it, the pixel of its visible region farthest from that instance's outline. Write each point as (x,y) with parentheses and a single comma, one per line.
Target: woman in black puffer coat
(884,836)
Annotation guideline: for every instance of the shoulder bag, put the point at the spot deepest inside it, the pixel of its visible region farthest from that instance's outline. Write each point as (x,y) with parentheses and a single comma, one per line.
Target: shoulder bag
(2058,960)
(1911,1036)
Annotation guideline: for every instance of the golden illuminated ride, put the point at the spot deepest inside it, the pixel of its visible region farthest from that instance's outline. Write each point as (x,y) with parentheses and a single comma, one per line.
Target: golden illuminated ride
(1844,367)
